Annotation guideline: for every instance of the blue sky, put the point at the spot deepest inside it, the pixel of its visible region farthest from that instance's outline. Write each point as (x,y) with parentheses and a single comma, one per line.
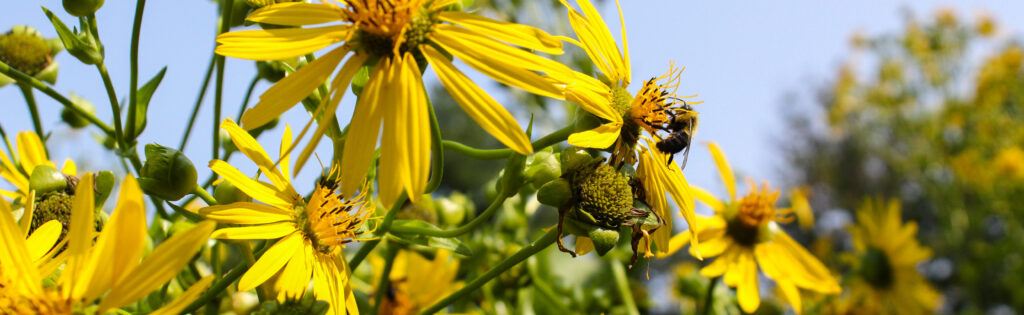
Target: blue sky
(741,58)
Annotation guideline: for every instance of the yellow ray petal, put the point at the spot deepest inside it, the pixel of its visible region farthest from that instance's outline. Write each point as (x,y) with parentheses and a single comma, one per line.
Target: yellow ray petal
(165,262)
(746,289)
(810,268)
(252,187)
(28,212)
(42,239)
(719,266)
(393,158)
(296,14)
(271,261)
(724,169)
(286,144)
(182,301)
(512,33)
(338,88)
(31,152)
(276,44)
(69,167)
(625,46)
(405,146)
(330,282)
(602,137)
(501,62)
(292,89)
(10,172)
(363,131)
(80,235)
(595,99)
(604,40)
(246,213)
(656,199)
(252,149)
(478,104)
(675,184)
(584,245)
(707,198)
(256,232)
(14,255)
(119,246)
(295,276)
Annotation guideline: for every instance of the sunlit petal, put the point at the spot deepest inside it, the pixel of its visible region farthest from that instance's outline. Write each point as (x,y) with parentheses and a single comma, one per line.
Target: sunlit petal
(245,213)
(296,14)
(276,44)
(271,261)
(363,131)
(512,33)
(287,92)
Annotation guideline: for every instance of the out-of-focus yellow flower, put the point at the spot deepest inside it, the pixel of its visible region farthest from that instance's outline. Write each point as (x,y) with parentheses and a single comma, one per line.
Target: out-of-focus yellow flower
(1010,163)
(389,35)
(743,235)
(946,17)
(985,25)
(107,268)
(799,206)
(17,167)
(885,278)
(416,282)
(311,233)
(624,116)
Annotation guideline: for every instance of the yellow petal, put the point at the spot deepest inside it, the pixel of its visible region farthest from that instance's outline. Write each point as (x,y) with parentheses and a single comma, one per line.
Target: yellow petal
(656,199)
(276,44)
(405,146)
(584,245)
(597,41)
(805,266)
(724,169)
(165,262)
(14,255)
(363,131)
(28,212)
(11,173)
(296,274)
(672,179)
(296,14)
(512,33)
(119,246)
(246,213)
(707,198)
(256,232)
(285,156)
(602,137)
(69,167)
(330,282)
(252,149)
(31,152)
(338,88)
(719,266)
(292,89)
(478,104)
(271,261)
(80,236)
(746,290)
(593,98)
(252,187)
(182,301)
(764,254)
(42,239)
(501,62)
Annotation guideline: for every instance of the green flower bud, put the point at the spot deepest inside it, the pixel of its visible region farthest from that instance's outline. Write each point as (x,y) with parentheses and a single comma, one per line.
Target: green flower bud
(72,118)
(46,179)
(272,71)
(82,8)
(225,141)
(555,193)
(542,167)
(453,209)
(604,239)
(24,48)
(226,193)
(602,195)
(575,158)
(167,174)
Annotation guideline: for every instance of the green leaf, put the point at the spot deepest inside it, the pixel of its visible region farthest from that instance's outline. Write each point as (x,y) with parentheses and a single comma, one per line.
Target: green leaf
(452,244)
(82,50)
(142,101)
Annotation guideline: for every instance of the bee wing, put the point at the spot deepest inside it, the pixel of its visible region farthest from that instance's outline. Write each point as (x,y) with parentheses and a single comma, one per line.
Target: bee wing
(689,143)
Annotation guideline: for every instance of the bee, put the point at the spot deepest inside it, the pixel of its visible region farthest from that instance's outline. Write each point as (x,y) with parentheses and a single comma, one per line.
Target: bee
(681,124)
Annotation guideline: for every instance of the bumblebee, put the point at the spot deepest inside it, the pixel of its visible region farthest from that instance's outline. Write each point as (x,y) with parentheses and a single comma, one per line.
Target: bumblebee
(681,124)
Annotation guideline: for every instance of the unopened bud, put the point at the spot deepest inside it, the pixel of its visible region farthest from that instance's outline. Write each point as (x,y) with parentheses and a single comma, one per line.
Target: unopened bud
(555,193)
(81,8)
(167,174)
(74,119)
(542,167)
(226,193)
(46,179)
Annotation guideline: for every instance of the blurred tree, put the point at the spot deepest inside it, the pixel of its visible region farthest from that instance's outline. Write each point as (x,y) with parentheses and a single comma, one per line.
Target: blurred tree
(930,126)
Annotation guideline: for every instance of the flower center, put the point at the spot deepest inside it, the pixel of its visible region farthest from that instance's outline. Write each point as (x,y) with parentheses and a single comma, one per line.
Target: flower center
(876,268)
(753,212)
(330,220)
(387,27)
(656,105)
(603,195)
(27,52)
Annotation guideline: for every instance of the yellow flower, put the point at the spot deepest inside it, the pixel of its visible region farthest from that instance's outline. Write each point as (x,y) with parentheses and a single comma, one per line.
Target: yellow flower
(626,116)
(30,153)
(390,35)
(416,282)
(886,280)
(311,233)
(743,235)
(107,268)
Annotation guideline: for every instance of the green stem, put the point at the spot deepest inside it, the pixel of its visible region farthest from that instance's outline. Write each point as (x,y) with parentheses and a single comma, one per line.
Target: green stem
(133,61)
(438,155)
(622,284)
(385,280)
(494,154)
(199,103)
(248,94)
(364,251)
(218,91)
(216,289)
(23,78)
(30,100)
(115,108)
(504,265)
(203,194)
(465,228)
(709,297)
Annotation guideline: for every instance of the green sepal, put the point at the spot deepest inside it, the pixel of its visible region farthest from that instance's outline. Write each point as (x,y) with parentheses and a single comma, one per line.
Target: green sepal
(76,44)
(45,179)
(142,98)
(604,239)
(449,243)
(104,184)
(555,193)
